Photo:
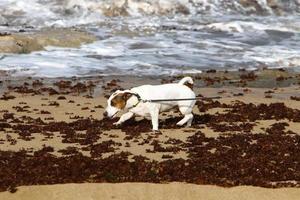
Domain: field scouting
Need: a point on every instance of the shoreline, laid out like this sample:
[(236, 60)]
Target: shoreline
[(258, 78)]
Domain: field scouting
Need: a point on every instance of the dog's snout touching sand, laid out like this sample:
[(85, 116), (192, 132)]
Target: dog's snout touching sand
[(105, 114)]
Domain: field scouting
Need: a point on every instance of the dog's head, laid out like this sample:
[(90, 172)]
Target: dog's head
[(116, 102)]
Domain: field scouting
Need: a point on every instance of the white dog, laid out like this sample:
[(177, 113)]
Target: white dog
[(132, 102)]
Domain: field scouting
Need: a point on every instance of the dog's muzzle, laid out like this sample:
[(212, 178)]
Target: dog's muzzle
[(105, 114), (110, 112)]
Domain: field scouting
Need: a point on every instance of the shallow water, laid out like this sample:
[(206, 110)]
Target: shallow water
[(157, 37)]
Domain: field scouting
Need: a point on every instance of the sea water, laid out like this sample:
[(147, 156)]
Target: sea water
[(156, 37)]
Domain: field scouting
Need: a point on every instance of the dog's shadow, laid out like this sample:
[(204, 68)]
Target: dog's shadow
[(144, 125)]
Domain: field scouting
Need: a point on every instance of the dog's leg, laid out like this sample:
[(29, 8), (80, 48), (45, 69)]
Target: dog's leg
[(189, 122), (188, 116), (124, 118), (154, 118)]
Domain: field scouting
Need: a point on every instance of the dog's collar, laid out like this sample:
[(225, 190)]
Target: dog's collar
[(137, 96), (137, 103)]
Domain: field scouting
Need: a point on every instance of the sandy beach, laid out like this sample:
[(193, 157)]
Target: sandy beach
[(239, 146), (60, 60), (142, 191)]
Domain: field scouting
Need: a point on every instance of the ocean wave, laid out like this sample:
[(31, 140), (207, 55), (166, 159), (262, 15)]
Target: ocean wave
[(74, 12), (155, 37), (244, 26)]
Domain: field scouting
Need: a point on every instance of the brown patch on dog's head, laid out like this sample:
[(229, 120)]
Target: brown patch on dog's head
[(189, 85), (120, 100)]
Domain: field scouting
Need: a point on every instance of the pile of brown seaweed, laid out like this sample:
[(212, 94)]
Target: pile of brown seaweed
[(240, 157)]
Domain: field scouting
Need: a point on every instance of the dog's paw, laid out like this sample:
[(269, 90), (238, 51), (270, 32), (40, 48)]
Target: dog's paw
[(180, 124), (117, 123), (157, 132)]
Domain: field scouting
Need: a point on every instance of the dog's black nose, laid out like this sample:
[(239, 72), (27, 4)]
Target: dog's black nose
[(105, 114)]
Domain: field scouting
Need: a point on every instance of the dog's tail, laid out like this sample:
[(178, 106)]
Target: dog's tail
[(188, 81)]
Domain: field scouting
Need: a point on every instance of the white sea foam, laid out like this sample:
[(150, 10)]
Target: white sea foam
[(244, 26), (154, 37), (74, 12)]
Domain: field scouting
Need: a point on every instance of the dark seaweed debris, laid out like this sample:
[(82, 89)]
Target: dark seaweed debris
[(271, 159), (246, 159), (242, 112), (243, 159)]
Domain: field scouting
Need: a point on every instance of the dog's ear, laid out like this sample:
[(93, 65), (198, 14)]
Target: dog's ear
[(127, 95), (189, 85)]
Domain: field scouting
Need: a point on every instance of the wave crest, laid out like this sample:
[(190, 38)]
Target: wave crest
[(72, 12)]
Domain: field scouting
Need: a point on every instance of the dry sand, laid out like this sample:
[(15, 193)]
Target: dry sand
[(148, 191)]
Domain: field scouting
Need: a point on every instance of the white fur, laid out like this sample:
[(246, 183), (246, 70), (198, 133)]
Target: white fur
[(152, 110)]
